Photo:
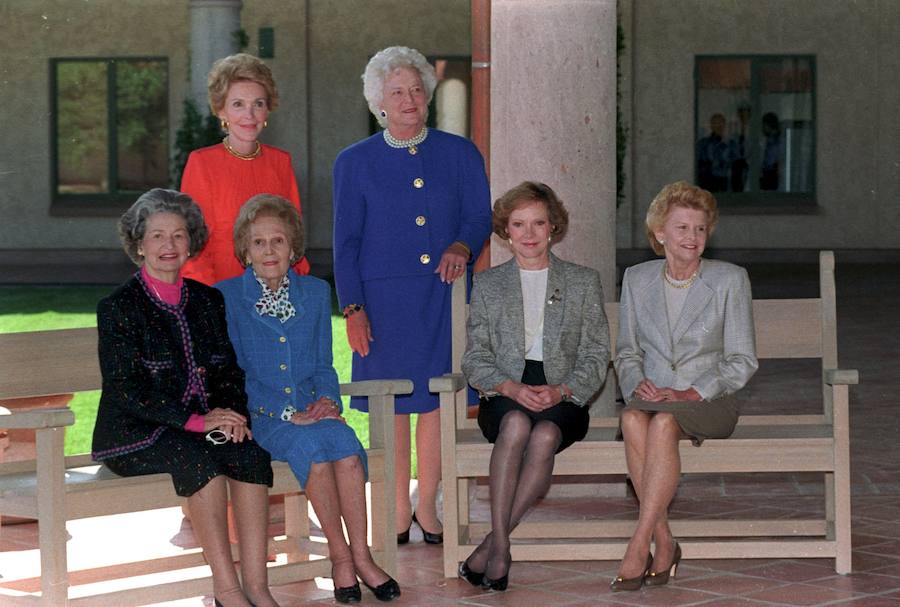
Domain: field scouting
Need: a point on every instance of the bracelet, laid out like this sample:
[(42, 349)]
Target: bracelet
[(351, 309), (465, 246)]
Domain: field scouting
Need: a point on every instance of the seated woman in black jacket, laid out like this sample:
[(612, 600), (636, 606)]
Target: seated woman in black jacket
[(173, 396)]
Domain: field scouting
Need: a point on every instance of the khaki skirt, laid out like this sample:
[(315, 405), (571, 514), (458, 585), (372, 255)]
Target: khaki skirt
[(699, 420)]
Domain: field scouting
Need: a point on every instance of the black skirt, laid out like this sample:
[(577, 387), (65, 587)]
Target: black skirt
[(193, 461), (572, 419)]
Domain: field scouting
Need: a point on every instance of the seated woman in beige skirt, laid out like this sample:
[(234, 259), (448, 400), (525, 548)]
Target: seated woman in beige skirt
[(685, 346)]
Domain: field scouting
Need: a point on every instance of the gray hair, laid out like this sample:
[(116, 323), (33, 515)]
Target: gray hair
[(386, 61), (133, 223)]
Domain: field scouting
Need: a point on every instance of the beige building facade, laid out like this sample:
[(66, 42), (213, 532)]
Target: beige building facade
[(321, 47)]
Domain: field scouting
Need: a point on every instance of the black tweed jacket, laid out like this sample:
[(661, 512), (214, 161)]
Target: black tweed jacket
[(161, 363)]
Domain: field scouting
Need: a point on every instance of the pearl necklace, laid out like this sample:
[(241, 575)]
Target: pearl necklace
[(405, 143), (678, 284), (237, 154)]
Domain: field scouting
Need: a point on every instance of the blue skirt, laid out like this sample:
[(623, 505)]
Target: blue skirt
[(410, 318), (328, 440)]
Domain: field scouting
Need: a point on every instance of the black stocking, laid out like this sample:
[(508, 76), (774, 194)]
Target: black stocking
[(506, 459), (532, 471)]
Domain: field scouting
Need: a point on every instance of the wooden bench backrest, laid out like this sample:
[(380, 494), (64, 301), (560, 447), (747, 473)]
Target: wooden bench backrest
[(48, 362), (41, 363)]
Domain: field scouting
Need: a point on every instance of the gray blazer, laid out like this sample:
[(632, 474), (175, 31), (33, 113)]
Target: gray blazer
[(712, 348), (576, 334)]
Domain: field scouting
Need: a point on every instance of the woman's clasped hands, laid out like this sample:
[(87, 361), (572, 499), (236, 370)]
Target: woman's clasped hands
[(323, 408), (535, 398), (231, 423), (648, 391)]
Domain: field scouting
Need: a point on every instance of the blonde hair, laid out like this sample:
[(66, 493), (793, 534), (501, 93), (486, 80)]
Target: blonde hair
[(679, 194), (239, 68)]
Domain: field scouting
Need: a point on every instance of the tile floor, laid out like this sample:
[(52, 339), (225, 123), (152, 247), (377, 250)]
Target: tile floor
[(869, 327)]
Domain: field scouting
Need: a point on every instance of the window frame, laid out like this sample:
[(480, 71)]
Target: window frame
[(755, 201), (103, 202)]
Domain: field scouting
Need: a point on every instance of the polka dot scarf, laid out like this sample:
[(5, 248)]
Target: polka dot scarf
[(275, 303)]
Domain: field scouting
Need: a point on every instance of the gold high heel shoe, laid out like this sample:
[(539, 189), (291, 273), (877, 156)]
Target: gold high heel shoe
[(621, 584), (661, 578)]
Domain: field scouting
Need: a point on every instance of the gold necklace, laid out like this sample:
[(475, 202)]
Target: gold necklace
[(678, 284), (237, 154)]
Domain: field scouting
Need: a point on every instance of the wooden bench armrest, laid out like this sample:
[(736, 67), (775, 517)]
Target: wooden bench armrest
[(38, 418), (377, 387), (841, 377), (451, 382)]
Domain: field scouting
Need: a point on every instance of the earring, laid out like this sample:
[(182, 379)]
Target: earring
[(265, 123), (661, 241), (509, 240), (224, 124), (383, 114)]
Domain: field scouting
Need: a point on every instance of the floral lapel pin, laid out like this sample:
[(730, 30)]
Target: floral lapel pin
[(555, 297)]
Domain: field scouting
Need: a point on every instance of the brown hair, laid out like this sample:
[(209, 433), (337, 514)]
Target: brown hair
[(679, 194), (523, 194), (237, 68), (268, 205)]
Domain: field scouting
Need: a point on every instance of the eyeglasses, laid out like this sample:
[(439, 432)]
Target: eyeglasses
[(217, 437)]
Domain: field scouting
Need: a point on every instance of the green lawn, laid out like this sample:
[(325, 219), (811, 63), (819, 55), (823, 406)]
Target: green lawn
[(45, 308)]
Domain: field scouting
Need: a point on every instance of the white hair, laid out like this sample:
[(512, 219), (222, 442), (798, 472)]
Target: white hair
[(384, 63)]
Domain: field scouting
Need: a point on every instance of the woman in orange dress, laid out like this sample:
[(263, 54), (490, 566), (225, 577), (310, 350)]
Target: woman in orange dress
[(222, 177)]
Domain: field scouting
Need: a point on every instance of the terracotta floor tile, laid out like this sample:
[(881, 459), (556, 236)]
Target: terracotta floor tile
[(869, 601), (869, 583), (791, 571), (802, 595), (730, 585), (668, 596)]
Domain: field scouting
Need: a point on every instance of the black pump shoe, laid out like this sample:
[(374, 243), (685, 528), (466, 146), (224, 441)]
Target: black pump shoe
[(403, 536), (430, 538), (348, 594), (473, 577), (498, 584), (387, 591)]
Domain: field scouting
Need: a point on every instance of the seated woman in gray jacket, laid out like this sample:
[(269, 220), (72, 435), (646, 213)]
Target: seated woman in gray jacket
[(538, 347), (686, 345)]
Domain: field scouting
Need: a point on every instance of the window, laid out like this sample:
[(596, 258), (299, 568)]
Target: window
[(110, 127), (755, 128)]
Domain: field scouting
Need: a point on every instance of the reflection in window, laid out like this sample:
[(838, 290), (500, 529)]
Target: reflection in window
[(110, 125), (755, 129)]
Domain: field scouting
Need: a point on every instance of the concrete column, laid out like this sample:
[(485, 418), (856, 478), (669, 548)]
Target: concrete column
[(213, 23), (553, 119)]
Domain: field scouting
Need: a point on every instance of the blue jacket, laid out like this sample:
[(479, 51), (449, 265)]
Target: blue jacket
[(395, 213), (286, 364)]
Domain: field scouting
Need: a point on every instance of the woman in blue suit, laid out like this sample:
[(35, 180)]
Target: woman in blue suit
[(280, 325), (686, 345), (412, 209)]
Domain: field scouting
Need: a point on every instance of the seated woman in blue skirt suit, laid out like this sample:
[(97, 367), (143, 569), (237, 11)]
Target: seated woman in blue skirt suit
[(280, 325)]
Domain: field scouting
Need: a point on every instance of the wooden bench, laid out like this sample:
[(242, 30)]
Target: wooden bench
[(814, 443), (55, 489)]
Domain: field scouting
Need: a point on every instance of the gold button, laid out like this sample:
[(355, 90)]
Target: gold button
[(283, 367), (287, 390), (282, 339), (418, 183), (425, 258), (413, 150), (420, 220)]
